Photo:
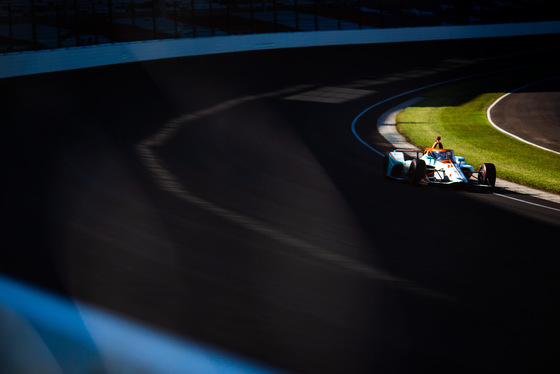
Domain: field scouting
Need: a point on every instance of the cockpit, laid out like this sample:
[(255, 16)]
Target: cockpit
[(441, 154)]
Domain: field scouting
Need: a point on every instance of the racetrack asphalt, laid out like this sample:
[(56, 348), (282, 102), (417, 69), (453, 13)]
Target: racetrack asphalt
[(225, 198), (387, 127), (532, 114)]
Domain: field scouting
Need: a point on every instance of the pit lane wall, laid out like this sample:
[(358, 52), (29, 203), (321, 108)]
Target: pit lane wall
[(16, 64)]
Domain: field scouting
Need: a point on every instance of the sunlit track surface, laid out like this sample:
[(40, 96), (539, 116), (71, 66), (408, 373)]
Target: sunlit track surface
[(536, 104), (225, 199)]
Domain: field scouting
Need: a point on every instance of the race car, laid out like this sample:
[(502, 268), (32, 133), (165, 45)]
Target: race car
[(436, 166)]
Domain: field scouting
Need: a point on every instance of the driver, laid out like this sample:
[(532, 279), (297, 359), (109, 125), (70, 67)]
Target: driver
[(441, 155), (438, 143)]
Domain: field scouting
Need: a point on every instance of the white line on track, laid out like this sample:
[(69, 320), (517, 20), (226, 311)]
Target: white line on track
[(527, 202), (518, 188), (167, 181), (489, 116), (355, 121)]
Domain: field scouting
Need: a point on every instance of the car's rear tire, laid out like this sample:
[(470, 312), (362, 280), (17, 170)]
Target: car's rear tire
[(386, 165), (416, 172), (487, 174)]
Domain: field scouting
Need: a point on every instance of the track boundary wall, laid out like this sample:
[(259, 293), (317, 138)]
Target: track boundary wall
[(16, 64)]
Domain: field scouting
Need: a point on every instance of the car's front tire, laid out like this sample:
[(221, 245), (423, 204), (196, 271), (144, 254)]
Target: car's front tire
[(416, 172), (487, 174)]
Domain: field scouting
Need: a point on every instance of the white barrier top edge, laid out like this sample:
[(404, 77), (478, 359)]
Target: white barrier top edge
[(44, 61)]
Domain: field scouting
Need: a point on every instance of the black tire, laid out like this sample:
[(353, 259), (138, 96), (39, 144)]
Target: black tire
[(386, 165), (487, 174), (416, 172)]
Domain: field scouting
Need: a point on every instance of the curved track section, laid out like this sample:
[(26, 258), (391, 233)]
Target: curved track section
[(224, 198), (531, 114)]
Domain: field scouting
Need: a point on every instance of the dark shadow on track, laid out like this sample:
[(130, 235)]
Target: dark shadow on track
[(346, 272)]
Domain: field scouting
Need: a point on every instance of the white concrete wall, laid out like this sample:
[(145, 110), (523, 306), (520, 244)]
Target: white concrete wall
[(44, 61)]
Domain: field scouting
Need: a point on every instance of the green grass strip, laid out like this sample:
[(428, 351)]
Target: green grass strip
[(457, 112)]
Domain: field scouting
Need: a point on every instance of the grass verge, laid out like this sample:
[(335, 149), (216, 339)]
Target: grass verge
[(457, 112)]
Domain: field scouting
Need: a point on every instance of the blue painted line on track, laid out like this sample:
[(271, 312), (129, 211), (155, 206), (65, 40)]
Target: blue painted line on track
[(354, 122), (354, 131)]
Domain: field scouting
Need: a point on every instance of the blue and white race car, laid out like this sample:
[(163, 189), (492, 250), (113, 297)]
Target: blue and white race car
[(436, 166)]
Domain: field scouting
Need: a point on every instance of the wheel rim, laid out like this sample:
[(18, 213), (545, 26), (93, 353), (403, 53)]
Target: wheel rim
[(482, 175)]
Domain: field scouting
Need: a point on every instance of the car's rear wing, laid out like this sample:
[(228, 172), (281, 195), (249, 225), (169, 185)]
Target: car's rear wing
[(417, 152)]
